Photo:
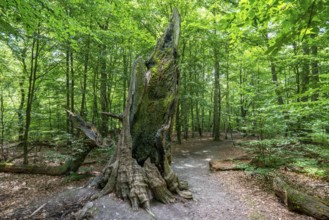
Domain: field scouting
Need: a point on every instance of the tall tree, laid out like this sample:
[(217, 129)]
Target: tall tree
[(216, 128), (35, 51)]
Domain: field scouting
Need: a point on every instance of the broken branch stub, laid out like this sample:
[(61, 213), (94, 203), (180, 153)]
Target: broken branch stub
[(87, 128)]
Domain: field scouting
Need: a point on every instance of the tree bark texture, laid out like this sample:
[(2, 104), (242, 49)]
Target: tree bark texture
[(216, 129), (300, 202), (30, 96), (103, 90), (141, 161)]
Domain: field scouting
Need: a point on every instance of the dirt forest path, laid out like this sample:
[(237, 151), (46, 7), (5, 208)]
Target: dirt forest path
[(223, 195), (230, 195), (218, 196), (211, 198)]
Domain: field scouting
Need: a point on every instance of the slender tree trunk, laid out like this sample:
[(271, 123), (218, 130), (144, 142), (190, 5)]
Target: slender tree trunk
[(203, 92), (184, 100), (192, 117), (210, 118), (191, 91), (72, 86), (103, 90), (2, 124), (274, 76), (67, 74), (315, 70), (178, 123), (243, 107), (125, 78), (197, 114), (83, 108), (296, 68), (228, 113), (22, 101), (196, 91), (21, 105), (185, 117), (305, 73), (49, 112), (276, 83), (95, 96), (30, 95), (216, 131)]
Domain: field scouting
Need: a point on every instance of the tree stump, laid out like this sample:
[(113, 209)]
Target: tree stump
[(141, 161)]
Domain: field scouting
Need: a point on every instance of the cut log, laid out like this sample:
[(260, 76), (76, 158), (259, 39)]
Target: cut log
[(219, 165), (231, 164), (298, 201), (226, 165)]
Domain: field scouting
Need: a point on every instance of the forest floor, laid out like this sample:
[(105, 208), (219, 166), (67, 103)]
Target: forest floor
[(217, 195)]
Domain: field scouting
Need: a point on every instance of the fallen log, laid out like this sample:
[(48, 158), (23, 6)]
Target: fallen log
[(34, 169), (228, 164), (298, 201), (71, 165)]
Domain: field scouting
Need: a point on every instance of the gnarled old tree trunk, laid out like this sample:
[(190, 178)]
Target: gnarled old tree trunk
[(141, 162)]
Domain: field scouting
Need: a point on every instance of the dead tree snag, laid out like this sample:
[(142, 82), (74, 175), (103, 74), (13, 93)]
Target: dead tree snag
[(141, 161)]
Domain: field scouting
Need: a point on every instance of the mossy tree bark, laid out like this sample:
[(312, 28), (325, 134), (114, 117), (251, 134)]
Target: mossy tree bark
[(299, 201), (141, 162)]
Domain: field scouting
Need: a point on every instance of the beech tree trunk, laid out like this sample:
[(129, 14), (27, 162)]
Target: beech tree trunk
[(216, 128), (141, 161)]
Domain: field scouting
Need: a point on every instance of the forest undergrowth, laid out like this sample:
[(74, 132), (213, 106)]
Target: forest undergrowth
[(303, 165)]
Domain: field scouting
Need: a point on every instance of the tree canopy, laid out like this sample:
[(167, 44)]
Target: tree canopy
[(270, 59)]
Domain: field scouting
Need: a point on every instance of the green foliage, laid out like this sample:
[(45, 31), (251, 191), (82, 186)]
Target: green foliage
[(105, 152), (267, 50), (275, 153), (263, 171)]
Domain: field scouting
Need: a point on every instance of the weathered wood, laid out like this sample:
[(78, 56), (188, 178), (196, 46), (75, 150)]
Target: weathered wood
[(71, 165), (298, 201), (32, 169), (141, 161), (112, 115), (87, 128), (227, 165), (219, 165)]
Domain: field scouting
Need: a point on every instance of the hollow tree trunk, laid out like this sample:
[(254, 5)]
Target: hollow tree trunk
[(141, 161)]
